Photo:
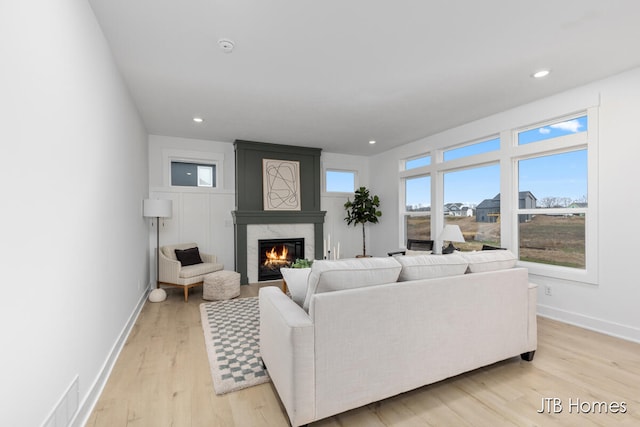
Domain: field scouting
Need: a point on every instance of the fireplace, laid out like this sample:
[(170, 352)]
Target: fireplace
[(276, 253)]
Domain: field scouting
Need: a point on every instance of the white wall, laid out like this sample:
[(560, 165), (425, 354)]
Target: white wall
[(350, 237), (200, 215), (611, 305), (73, 171)]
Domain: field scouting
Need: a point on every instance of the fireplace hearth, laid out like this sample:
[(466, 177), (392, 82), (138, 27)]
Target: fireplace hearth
[(274, 254)]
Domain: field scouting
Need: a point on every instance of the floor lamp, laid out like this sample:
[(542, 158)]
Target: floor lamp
[(154, 208)]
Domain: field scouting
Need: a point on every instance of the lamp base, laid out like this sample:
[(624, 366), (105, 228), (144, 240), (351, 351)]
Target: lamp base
[(449, 249), (157, 295)]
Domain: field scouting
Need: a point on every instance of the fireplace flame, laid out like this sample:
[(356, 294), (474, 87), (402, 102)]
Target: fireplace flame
[(273, 257)]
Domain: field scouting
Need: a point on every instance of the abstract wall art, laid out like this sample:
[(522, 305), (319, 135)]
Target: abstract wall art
[(281, 185)]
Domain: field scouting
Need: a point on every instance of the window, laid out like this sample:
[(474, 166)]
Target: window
[(472, 149), (185, 174), (417, 209), (472, 201), (340, 181), (417, 162), (554, 130), (555, 183), (531, 190)]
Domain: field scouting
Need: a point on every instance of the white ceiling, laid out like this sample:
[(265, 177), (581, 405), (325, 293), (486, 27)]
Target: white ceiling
[(336, 74)]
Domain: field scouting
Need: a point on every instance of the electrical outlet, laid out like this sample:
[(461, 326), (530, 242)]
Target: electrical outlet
[(547, 290)]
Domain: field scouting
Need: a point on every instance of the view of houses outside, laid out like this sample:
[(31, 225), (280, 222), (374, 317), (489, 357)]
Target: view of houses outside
[(549, 180), (549, 239)]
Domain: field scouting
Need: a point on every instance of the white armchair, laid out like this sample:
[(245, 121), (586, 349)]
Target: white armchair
[(172, 273)]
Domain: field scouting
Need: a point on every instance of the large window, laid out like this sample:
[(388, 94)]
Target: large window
[(417, 209), (472, 201), (530, 190), (555, 183)]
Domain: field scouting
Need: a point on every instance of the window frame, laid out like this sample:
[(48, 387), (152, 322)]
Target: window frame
[(403, 202), (194, 157), (339, 193), (508, 155), (586, 140)]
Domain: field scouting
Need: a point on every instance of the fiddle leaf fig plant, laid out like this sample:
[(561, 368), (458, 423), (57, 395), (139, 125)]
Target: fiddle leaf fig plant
[(362, 210)]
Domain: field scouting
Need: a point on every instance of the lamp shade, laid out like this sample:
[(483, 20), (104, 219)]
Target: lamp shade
[(451, 233), (157, 208)]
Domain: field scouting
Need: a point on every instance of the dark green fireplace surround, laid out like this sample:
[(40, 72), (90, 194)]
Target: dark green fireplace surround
[(249, 200)]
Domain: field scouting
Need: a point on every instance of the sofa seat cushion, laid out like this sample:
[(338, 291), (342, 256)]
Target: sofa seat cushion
[(490, 260), (328, 276), (431, 266), (199, 269)]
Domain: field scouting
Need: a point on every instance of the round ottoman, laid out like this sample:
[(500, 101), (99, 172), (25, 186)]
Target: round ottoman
[(221, 285)]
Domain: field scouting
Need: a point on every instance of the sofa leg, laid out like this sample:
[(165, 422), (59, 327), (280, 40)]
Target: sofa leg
[(186, 294), (528, 356)]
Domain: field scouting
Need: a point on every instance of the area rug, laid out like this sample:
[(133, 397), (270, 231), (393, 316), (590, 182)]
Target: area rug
[(231, 334)]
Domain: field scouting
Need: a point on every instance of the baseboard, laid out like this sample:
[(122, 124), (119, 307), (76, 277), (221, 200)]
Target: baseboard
[(594, 324), (91, 399)]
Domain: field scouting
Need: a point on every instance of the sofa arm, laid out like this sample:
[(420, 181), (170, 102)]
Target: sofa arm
[(287, 349), (169, 269)]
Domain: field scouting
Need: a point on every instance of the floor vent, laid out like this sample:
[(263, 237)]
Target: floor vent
[(66, 408)]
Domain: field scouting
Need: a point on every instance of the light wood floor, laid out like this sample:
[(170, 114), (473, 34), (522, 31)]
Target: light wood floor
[(162, 378)]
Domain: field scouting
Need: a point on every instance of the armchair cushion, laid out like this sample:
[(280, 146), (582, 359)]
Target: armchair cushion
[(198, 269), (189, 256)]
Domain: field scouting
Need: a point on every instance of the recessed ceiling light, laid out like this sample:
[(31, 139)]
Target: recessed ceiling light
[(226, 45), (372, 142), (540, 74), (198, 119)]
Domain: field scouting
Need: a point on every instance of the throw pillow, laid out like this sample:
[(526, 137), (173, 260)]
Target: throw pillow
[(490, 260), (350, 273), (296, 279), (431, 266), (189, 256)]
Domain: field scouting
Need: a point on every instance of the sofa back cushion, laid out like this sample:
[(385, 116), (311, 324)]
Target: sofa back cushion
[(490, 260), (431, 266), (328, 276)]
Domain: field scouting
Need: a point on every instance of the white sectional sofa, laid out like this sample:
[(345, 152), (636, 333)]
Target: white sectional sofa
[(361, 335)]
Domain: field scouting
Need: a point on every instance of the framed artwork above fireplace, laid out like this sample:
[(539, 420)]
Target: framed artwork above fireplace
[(281, 185)]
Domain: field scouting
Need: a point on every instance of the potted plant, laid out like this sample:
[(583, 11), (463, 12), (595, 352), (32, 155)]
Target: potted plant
[(362, 210), (302, 263)]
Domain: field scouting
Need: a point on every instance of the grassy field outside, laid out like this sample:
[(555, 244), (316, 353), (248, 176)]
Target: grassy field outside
[(548, 239)]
